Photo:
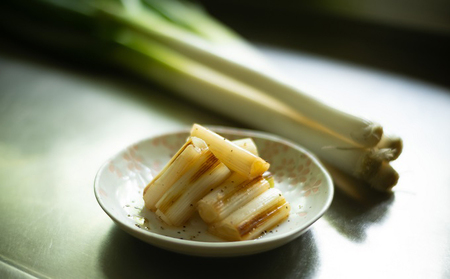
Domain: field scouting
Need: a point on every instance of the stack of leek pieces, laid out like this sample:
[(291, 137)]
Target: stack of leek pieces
[(178, 45), (226, 182)]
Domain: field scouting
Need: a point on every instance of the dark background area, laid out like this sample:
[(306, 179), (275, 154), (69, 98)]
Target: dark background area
[(410, 38), (406, 37)]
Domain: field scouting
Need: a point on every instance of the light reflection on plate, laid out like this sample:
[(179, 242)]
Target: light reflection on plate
[(120, 181)]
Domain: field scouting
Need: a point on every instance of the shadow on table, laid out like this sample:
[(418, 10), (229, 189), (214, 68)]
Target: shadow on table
[(356, 206), (97, 81), (127, 257)]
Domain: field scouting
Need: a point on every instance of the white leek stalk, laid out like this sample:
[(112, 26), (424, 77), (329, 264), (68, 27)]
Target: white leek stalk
[(230, 97), (255, 218), (185, 50), (178, 203), (234, 157), (229, 196), (364, 133), (323, 124)]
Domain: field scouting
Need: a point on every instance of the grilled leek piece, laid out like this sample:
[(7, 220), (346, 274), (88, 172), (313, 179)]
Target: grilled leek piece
[(234, 157), (179, 202), (255, 218), (247, 144), (177, 166), (231, 195)]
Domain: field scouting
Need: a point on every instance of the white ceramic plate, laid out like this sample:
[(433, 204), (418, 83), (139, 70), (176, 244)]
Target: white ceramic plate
[(299, 175)]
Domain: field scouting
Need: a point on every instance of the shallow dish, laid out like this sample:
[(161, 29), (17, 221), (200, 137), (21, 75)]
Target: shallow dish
[(299, 175)]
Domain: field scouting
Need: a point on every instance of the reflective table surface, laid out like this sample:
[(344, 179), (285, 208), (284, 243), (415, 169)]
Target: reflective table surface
[(59, 123)]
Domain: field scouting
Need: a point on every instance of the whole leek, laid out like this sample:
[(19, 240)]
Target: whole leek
[(176, 44)]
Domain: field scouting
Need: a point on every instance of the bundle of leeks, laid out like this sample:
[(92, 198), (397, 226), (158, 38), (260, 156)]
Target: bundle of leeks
[(178, 45)]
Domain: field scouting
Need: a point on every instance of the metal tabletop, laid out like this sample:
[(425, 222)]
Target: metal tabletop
[(59, 123)]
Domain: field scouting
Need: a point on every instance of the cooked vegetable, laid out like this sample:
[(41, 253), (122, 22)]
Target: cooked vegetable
[(233, 156), (247, 144), (190, 174), (196, 179), (178, 203), (255, 218), (231, 195), (187, 155), (178, 45)]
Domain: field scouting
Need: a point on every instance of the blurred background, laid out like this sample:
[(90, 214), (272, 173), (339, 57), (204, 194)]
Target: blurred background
[(411, 37)]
